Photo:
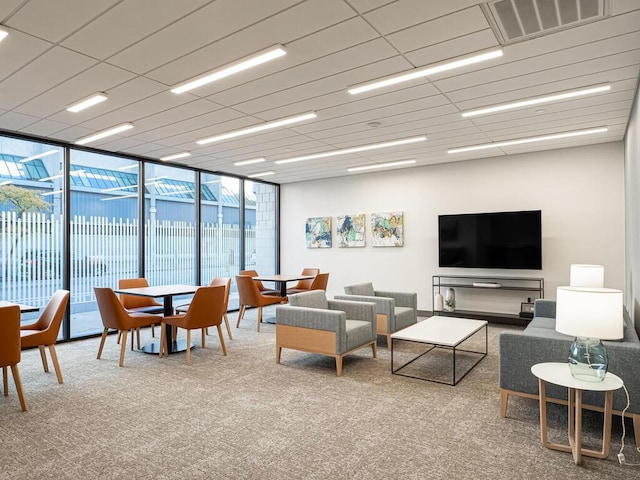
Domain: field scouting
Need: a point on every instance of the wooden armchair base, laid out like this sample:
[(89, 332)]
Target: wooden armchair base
[(313, 341), (504, 399)]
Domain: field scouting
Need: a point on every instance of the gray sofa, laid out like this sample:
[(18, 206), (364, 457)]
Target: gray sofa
[(539, 342)]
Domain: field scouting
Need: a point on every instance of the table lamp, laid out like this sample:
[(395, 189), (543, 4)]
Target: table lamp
[(590, 315), (586, 276)]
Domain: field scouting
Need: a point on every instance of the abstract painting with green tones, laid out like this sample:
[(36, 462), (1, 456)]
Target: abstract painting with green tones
[(350, 230), (318, 232), (387, 229)]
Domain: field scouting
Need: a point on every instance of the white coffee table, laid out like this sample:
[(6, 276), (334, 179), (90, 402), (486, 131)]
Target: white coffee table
[(559, 374), (441, 332)]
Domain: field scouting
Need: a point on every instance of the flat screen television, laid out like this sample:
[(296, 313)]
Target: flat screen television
[(491, 240)]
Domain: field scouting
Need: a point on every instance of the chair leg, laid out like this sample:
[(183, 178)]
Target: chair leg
[(188, 346), (203, 335), (240, 315), (54, 360), (119, 337), (226, 322), (138, 337), (104, 337), (153, 331), (123, 346), (388, 335), (133, 334), (259, 317), (43, 356), (163, 341), (339, 365), (5, 381), (18, 382), (278, 353), (504, 399), (374, 347), (224, 348), (636, 429)]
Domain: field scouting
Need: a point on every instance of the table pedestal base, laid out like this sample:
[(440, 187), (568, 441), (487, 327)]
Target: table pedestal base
[(176, 346)]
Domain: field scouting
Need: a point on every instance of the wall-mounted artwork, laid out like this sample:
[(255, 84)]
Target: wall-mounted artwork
[(350, 230), (318, 232), (387, 229)]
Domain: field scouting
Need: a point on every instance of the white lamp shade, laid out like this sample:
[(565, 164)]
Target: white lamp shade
[(589, 312), (587, 276)]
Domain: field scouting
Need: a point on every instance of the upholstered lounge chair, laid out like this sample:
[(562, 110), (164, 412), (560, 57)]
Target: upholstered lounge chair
[(395, 310), (312, 323)]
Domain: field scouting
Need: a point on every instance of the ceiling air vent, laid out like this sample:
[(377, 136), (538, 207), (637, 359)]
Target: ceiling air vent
[(518, 20)]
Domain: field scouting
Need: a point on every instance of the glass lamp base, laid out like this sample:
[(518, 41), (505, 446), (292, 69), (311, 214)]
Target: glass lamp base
[(588, 359)]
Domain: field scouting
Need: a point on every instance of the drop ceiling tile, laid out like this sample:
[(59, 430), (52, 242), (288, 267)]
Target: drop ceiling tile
[(44, 128), (284, 28), (363, 6), (8, 7), (441, 29), (405, 13), (19, 49), (16, 121), (211, 23), (128, 22), (46, 19), (48, 70), (99, 78), (456, 47)]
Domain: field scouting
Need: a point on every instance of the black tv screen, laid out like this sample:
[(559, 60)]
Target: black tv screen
[(491, 240)]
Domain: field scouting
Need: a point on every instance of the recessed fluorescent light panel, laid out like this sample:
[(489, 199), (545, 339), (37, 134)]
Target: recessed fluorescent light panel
[(261, 174), (87, 102), (105, 133), (232, 68), (537, 101), (39, 155), (3, 34), (258, 128), (249, 162), (543, 138), (380, 165), (423, 72), (176, 156), (346, 151)]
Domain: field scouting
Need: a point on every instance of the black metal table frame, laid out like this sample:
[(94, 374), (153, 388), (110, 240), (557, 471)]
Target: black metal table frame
[(445, 347)]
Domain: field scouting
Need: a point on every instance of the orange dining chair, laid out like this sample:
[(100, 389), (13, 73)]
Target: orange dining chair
[(319, 283), (44, 332), (216, 282), (304, 285), (138, 304), (10, 349), (261, 288), (250, 296), (205, 310), (115, 316)]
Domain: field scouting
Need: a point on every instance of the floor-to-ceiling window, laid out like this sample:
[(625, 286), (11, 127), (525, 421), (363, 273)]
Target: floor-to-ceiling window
[(220, 230), (103, 218), (31, 222), (260, 221), (170, 225)]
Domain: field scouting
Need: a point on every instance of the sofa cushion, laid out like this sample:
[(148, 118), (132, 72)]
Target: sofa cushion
[(542, 322), (360, 289), (358, 333)]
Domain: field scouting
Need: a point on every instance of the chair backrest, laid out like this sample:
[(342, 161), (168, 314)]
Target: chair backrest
[(320, 282), (111, 310), (248, 290), (50, 320), (206, 307), (135, 301), (306, 284), (365, 289), (312, 299), (9, 335), (226, 282), (253, 273)]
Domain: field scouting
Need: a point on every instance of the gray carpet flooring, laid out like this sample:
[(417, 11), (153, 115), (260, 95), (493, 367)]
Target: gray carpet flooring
[(244, 417)]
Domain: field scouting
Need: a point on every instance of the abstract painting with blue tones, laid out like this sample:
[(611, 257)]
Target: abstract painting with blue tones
[(318, 232), (350, 230)]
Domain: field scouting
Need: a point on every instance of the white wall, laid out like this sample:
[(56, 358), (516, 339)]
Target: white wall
[(579, 190)]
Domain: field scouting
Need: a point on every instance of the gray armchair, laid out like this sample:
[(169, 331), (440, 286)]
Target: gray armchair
[(395, 310), (311, 323)]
